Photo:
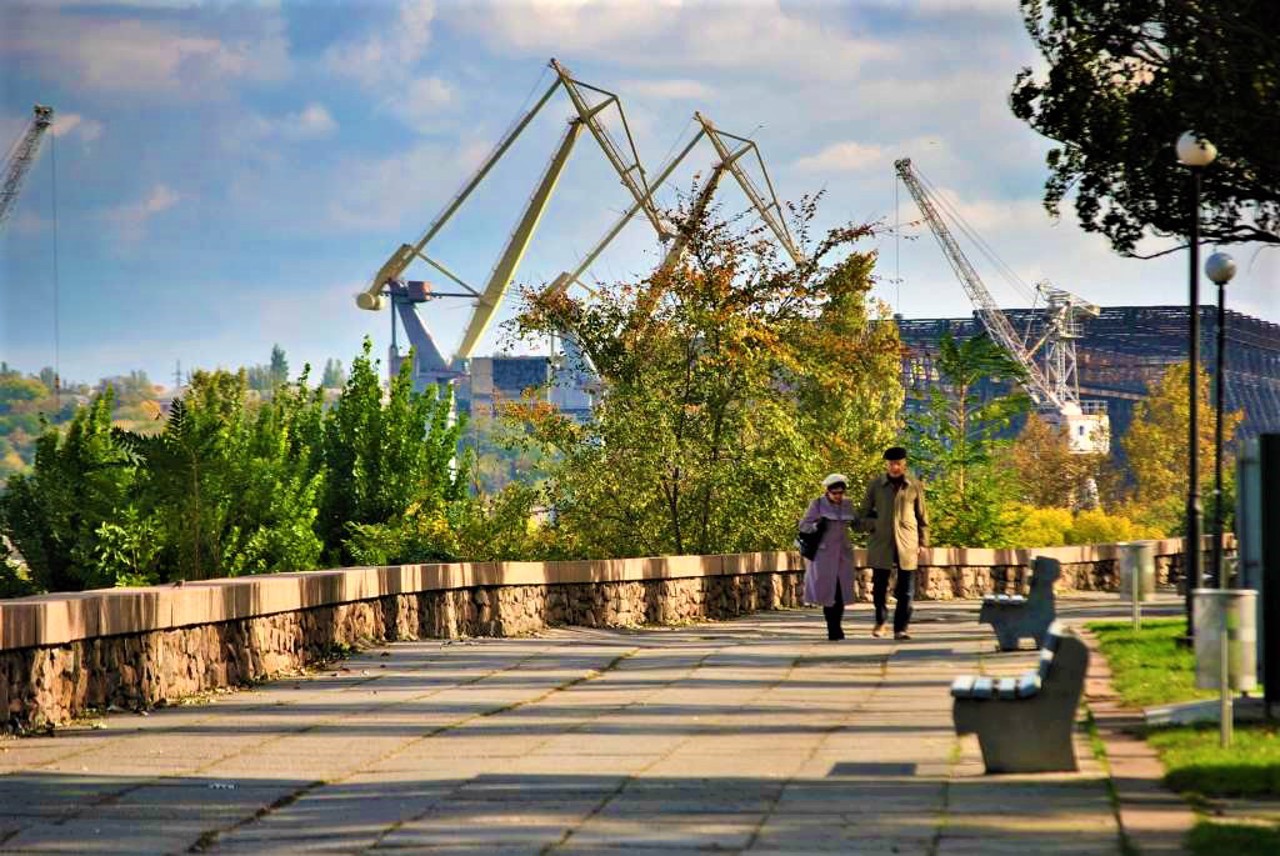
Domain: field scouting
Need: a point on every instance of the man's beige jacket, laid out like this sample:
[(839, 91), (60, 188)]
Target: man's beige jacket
[(901, 521)]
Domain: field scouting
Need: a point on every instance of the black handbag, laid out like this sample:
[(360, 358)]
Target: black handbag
[(807, 542)]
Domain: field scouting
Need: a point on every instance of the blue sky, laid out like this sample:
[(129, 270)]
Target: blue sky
[(230, 174)]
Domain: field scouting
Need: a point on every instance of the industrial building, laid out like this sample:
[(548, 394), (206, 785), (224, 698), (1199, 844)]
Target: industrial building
[(492, 380), (1124, 350)]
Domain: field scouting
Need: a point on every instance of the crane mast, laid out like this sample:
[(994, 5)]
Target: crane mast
[(1054, 388), (994, 320), (23, 156), (589, 103)]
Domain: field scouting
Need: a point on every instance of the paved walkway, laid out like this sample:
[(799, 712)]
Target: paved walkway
[(754, 735)]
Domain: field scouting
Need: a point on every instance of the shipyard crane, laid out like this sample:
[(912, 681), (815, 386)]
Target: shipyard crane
[(21, 157), (1055, 387), (730, 151), (588, 104)]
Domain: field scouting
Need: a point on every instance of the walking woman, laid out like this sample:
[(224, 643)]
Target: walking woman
[(828, 577)]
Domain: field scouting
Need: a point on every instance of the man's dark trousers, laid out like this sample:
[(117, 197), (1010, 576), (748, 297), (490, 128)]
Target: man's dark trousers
[(903, 592)]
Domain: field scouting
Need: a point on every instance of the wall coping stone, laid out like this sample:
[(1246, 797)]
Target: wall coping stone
[(57, 619)]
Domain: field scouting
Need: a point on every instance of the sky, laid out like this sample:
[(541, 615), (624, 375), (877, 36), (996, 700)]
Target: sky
[(226, 176)]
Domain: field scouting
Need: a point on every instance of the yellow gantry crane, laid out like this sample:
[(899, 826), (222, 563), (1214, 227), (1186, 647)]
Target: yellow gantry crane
[(731, 150), (589, 103)]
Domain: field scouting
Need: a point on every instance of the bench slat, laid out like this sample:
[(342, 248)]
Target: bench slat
[(1007, 688), (983, 688), (1028, 685), (962, 687)]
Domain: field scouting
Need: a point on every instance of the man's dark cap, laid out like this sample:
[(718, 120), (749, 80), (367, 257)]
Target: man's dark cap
[(895, 453)]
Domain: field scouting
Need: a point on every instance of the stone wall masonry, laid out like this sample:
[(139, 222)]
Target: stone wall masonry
[(64, 655)]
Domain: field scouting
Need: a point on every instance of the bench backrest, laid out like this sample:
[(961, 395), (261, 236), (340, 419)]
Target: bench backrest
[(1064, 659), (1044, 573)]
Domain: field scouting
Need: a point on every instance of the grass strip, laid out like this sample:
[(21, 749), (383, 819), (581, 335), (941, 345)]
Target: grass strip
[(1148, 667), (1194, 761), (1208, 838)]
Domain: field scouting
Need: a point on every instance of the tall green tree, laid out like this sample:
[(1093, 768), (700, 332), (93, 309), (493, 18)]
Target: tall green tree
[(958, 446), (279, 366), (699, 442), (232, 488), (80, 481), (333, 376), (1124, 79), (388, 461), (1156, 446)]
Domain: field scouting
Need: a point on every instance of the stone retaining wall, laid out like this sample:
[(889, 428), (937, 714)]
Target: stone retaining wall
[(63, 655)]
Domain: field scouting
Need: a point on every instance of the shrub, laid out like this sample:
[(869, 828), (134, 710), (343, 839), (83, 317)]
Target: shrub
[(1098, 527), (1042, 527)]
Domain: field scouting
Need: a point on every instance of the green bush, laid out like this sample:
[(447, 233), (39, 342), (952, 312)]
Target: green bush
[(1098, 527), (1042, 527)]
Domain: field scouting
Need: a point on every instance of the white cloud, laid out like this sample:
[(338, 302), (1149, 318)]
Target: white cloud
[(379, 194), (144, 56), (311, 122), (314, 121), (87, 130), (667, 89), (981, 7), (849, 156), (384, 63), (387, 55), (131, 219), (422, 102), (758, 38)]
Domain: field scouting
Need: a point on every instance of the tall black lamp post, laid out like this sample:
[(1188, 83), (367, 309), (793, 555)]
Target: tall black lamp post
[(1195, 153), (1220, 268)]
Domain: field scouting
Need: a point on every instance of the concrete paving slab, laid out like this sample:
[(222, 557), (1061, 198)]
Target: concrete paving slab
[(754, 736), (95, 835)]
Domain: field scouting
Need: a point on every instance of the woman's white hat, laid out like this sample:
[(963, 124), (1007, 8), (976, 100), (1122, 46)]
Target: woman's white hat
[(834, 478)]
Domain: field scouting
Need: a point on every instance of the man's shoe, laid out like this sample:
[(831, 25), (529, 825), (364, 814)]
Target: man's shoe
[(902, 635), (878, 631)]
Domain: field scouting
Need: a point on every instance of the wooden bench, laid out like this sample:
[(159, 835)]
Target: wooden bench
[(1014, 617), (1025, 724)]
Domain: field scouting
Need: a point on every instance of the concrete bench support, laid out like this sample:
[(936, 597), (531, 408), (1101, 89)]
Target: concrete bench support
[(1025, 724)]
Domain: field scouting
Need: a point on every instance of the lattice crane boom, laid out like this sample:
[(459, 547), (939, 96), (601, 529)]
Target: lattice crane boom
[(23, 156), (1042, 392), (768, 208), (729, 156)]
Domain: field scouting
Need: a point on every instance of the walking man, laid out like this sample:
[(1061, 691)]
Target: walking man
[(893, 511)]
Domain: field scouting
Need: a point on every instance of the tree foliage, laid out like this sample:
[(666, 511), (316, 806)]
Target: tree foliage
[(391, 464), (1125, 79), (712, 427), (1050, 474), (1157, 445), (958, 447), (333, 376), (233, 484), (81, 481)]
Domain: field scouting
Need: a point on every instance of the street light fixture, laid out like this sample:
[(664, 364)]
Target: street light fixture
[(1220, 268), (1195, 153)]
